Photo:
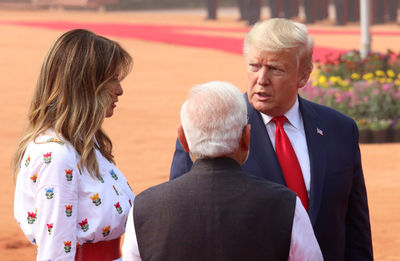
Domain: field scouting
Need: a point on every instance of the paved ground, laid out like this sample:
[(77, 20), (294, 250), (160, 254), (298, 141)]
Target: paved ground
[(144, 126)]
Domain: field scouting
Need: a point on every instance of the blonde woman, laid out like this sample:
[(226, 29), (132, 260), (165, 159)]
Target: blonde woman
[(70, 198)]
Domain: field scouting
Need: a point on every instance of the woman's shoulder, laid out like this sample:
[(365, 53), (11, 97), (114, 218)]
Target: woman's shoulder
[(48, 144)]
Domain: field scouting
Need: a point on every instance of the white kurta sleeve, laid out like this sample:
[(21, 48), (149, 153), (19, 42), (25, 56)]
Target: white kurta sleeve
[(304, 245), (56, 200), (130, 248)]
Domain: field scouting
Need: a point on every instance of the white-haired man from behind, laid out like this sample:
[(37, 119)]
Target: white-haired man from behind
[(216, 211)]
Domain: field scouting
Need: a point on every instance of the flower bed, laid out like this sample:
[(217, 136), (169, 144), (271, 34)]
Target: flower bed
[(365, 89)]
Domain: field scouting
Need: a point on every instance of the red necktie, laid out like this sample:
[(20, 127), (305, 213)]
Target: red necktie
[(289, 164)]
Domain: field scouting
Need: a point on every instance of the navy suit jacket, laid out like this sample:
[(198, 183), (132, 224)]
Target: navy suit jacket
[(338, 206)]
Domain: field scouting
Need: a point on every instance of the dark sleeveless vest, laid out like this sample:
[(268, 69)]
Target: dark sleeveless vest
[(215, 212)]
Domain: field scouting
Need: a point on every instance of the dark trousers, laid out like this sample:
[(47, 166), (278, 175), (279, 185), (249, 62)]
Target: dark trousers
[(341, 12), (242, 9), (322, 9), (310, 9), (253, 11), (392, 10), (285, 8), (211, 9)]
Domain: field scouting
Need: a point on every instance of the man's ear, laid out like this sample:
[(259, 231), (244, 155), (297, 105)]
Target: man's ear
[(305, 75), (182, 138), (245, 142)]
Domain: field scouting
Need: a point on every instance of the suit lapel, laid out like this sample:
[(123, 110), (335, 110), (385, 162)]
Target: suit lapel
[(261, 149), (316, 137)]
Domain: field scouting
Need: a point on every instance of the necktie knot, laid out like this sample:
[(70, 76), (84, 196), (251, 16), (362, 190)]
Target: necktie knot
[(279, 121)]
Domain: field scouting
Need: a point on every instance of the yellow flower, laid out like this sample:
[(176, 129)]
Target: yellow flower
[(382, 80), (397, 82), (398, 76), (322, 79), (390, 73), (389, 80), (368, 76), (333, 79), (380, 73), (355, 76)]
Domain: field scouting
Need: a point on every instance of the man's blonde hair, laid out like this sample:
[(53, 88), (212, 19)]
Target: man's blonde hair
[(279, 34)]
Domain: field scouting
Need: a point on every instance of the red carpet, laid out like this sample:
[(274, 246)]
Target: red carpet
[(181, 35)]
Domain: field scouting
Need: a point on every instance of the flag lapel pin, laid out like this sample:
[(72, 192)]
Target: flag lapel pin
[(320, 132)]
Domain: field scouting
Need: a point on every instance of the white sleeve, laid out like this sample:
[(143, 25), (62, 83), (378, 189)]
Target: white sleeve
[(303, 245), (57, 188), (130, 248)]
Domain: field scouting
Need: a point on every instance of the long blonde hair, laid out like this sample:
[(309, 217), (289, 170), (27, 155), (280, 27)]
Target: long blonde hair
[(71, 94)]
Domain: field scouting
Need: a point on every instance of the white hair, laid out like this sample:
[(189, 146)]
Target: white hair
[(213, 119), (279, 34)]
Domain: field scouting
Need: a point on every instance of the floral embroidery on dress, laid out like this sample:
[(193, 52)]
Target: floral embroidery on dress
[(68, 174), (49, 193), (100, 178), (50, 228), (113, 175), (96, 200), (27, 161), (31, 217), (78, 219), (106, 231), (84, 225), (116, 191), (55, 140), (67, 246), (34, 177), (47, 157), (68, 210), (129, 186), (118, 207)]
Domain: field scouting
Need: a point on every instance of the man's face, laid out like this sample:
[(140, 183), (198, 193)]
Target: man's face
[(273, 80)]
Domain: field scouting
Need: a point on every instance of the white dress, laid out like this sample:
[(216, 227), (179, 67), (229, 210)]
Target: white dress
[(58, 205)]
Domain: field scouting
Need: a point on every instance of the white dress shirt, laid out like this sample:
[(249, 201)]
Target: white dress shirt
[(303, 244), (294, 129)]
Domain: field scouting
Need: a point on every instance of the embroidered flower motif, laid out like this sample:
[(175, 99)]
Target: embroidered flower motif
[(50, 228), (49, 193), (106, 231), (129, 186), (96, 200), (55, 140), (34, 177), (113, 175), (68, 210), (118, 207), (31, 217), (100, 178), (116, 191), (80, 172), (27, 161), (67, 246), (84, 225), (47, 157), (68, 174)]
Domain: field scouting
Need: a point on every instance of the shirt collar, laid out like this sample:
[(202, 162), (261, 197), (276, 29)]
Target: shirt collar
[(293, 115)]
